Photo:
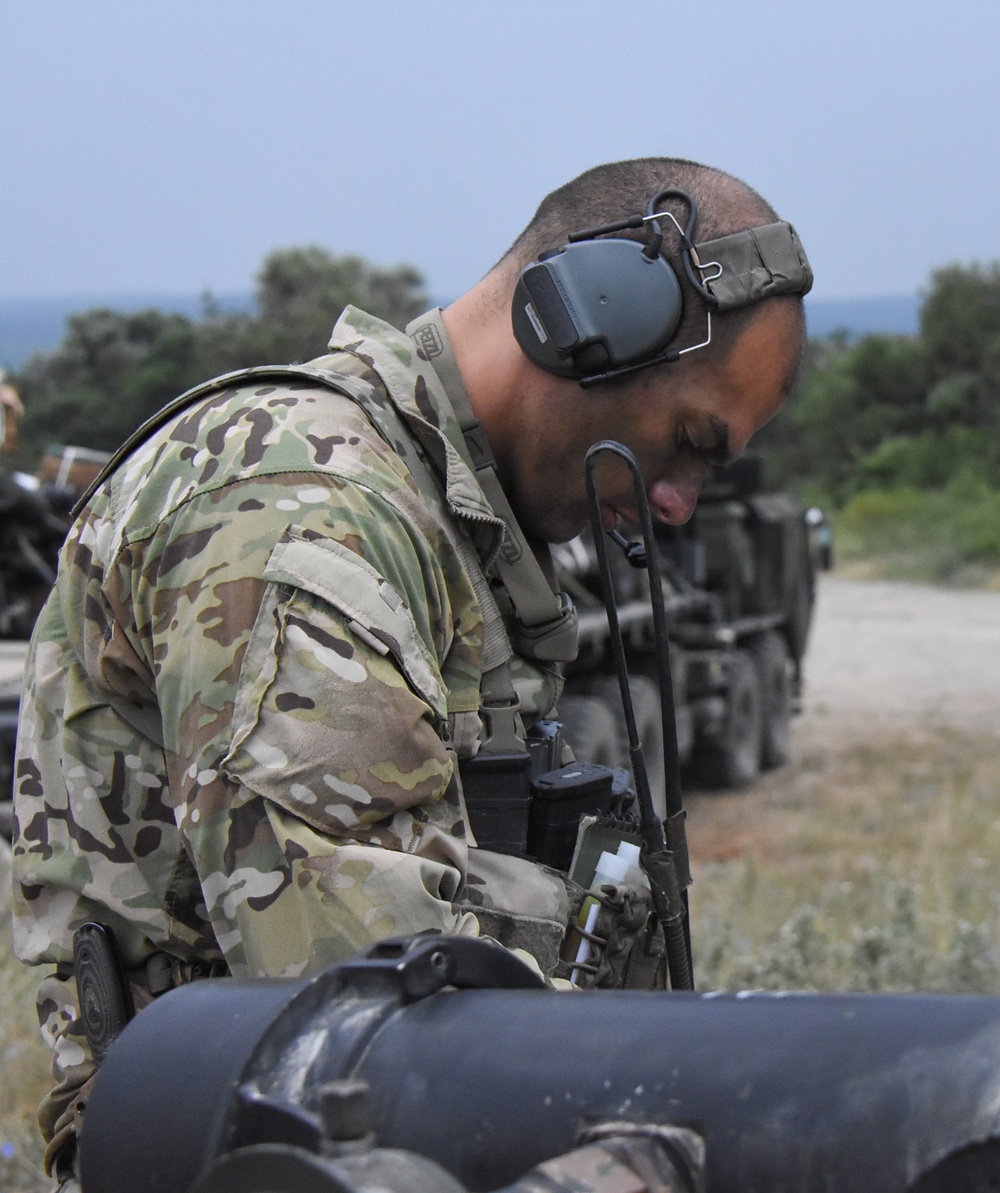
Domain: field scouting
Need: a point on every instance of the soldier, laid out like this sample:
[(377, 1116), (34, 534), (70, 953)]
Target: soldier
[(11, 413), (301, 596)]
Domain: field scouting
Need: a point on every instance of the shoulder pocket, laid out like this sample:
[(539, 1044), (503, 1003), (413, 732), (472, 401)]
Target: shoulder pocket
[(374, 611)]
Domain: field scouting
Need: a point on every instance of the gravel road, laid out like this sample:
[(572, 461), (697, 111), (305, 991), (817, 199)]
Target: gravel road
[(885, 655)]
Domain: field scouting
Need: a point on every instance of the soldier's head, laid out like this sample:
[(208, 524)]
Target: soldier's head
[(681, 375)]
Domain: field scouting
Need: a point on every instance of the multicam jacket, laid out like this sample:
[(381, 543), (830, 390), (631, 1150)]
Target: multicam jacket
[(234, 744)]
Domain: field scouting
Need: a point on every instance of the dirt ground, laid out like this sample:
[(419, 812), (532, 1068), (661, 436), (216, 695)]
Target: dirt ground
[(884, 656), (891, 669)]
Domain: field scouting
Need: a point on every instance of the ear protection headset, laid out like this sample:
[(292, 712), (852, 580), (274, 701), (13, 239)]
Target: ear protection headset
[(597, 308)]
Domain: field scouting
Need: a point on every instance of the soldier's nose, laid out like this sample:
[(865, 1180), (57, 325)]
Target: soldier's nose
[(673, 501)]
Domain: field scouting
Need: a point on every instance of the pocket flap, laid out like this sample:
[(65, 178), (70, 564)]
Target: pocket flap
[(375, 612)]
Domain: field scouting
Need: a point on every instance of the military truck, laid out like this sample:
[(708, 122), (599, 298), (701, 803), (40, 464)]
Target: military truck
[(740, 586), (34, 517)]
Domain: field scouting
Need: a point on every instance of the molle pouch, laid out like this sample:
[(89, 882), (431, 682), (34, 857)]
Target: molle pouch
[(626, 941), (497, 789), (560, 798), (545, 745)]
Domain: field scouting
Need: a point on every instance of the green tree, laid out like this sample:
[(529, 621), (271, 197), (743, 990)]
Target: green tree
[(114, 370), (110, 372), (960, 331), (300, 295), (850, 400), (960, 318), (891, 412)]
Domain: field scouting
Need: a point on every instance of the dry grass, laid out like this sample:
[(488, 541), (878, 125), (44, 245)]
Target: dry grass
[(868, 866), (25, 1061)]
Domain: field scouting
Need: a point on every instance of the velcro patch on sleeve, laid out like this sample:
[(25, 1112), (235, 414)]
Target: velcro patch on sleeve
[(373, 610)]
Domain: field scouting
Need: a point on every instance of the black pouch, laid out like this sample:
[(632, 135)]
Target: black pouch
[(561, 798), (497, 790)]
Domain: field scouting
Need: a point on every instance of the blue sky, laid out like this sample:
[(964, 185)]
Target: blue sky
[(163, 146)]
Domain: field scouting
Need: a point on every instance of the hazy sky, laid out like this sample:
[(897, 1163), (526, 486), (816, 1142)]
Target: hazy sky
[(167, 146)]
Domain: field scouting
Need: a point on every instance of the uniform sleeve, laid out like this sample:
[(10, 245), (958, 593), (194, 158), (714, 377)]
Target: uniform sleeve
[(298, 672)]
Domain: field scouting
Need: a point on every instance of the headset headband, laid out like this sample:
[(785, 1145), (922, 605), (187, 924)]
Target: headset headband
[(755, 264), (602, 307)]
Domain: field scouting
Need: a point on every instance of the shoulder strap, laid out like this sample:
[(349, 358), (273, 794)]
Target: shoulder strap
[(546, 627)]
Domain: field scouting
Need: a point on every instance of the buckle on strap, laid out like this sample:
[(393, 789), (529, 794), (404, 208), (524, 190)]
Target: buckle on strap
[(503, 731), (554, 641)]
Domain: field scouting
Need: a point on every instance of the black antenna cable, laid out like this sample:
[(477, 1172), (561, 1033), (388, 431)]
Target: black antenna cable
[(664, 858)]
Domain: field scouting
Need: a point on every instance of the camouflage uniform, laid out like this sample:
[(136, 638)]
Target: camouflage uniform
[(237, 736)]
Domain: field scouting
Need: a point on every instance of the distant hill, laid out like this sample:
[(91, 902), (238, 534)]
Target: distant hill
[(895, 315), (29, 325)]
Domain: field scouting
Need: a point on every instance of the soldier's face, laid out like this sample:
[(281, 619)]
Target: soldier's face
[(676, 424)]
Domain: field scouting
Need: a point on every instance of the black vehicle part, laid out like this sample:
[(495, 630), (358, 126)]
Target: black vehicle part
[(285, 1168), (769, 652), (591, 729), (729, 755), (663, 1160), (800, 610), (31, 535), (649, 725), (790, 1093)]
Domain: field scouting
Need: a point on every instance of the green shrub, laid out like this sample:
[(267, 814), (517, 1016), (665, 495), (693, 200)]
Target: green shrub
[(944, 535)]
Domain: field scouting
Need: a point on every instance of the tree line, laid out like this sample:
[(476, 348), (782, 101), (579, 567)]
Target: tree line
[(881, 413), (114, 370), (886, 412)]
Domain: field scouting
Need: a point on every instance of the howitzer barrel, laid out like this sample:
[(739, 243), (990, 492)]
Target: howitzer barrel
[(793, 1093)]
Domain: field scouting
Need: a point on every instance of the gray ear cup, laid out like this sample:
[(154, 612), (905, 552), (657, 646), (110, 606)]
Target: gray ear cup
[(595, 306)]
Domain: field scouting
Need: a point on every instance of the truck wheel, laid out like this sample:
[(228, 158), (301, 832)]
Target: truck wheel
[(798, 612), (731, 757), (590, 728), (649, 725), (770, 655)]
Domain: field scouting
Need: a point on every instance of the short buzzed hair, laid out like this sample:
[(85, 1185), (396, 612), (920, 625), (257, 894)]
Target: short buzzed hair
[(619, 189)]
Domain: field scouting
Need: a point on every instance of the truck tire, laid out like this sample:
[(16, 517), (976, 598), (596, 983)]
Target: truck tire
[(798, 614), (649, 725), (770, 656), (731, 756), (591, 729)]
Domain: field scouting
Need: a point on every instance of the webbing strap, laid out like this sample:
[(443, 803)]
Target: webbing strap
[(496, 644), (548, 618)]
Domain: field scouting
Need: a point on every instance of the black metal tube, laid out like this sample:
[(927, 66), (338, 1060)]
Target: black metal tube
[(791, 1093)]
